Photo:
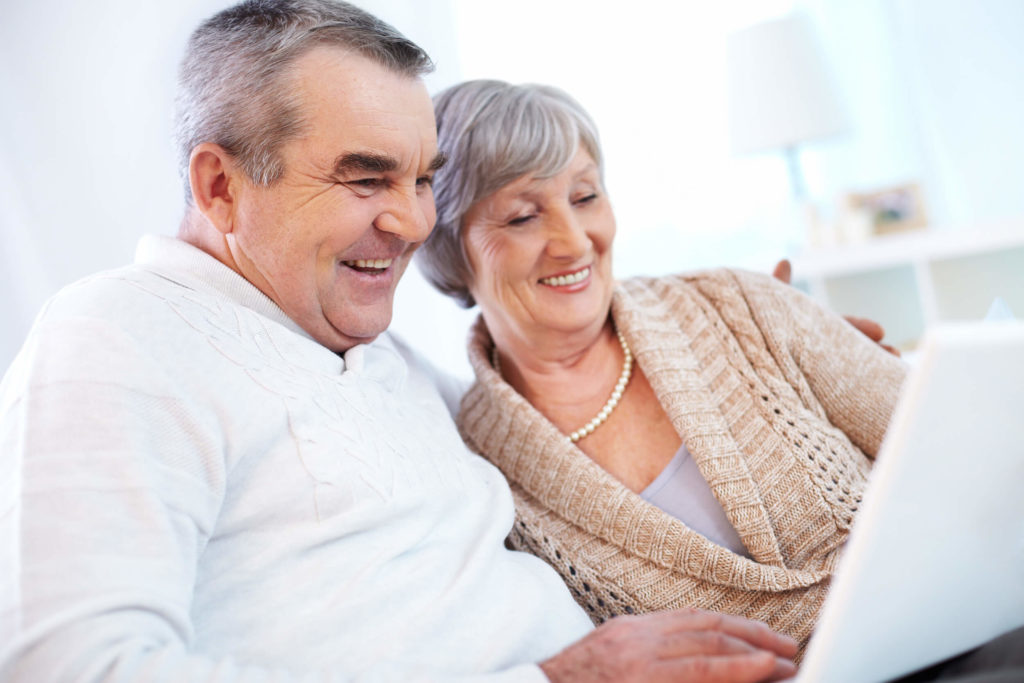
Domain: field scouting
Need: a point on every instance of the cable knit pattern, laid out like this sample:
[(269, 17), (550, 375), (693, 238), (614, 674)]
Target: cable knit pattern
[(197, 488), (781, 403)]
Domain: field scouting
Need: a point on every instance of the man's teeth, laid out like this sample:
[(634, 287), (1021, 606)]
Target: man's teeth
[(376, 263), (571, 279)]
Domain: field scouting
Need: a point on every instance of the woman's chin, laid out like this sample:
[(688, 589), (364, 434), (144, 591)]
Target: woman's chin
[(571, 325)]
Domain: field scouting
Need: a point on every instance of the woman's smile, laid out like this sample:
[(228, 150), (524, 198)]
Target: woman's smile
[(572, 281)]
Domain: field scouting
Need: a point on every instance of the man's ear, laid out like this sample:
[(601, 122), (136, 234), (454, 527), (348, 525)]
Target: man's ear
[(216, 181)]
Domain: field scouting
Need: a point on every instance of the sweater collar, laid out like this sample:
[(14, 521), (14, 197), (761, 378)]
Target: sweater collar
[(530, 451), (193, 268)]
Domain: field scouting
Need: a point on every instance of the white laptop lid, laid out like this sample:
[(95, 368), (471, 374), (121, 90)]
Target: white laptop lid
[(934, 565)]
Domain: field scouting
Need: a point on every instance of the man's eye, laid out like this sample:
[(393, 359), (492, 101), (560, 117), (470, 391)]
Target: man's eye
[(425, 181), (365, 188), (586, 198)]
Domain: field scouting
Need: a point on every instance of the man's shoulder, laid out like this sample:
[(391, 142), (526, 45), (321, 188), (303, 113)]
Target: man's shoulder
[(101, 329), (138, 311), (108, 294), (131, 297)]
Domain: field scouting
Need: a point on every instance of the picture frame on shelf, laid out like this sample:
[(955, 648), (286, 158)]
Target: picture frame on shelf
[(885, 211)]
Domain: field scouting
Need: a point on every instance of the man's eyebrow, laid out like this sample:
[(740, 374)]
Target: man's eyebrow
[(362, 162)]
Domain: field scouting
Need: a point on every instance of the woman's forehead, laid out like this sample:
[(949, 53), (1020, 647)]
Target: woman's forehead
[(581, 166)]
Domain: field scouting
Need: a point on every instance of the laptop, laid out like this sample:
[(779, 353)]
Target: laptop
[(934, 565)]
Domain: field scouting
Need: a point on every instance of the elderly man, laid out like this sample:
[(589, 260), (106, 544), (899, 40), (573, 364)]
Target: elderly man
[(215, 463)]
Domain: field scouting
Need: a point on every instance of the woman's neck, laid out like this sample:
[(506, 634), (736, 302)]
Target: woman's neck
[(567, 377)]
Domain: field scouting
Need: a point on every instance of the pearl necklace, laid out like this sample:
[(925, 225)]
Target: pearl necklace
[(613, 400)]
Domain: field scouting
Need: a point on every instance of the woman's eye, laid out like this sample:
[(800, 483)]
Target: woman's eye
[(519, 220), (425, 181), (586, 198)]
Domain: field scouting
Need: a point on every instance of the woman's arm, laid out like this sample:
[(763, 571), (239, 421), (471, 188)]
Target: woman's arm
[(783, 272), (854, 380)]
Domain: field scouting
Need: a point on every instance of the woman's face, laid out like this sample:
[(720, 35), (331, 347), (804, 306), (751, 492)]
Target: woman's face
[(540, 251)]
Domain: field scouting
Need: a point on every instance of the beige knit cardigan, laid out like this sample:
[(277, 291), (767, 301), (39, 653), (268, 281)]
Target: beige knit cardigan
[(781, 404)]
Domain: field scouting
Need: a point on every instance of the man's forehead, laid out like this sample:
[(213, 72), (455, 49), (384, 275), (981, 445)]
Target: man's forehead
[(342, 73), (361, 116)]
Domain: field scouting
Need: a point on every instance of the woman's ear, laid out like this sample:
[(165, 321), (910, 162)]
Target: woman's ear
[(215, 180)]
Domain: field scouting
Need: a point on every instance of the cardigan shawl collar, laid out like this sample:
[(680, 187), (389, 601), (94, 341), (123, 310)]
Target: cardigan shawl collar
[(534, 455)]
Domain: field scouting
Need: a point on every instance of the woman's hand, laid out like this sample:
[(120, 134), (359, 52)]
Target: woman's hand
[(680, 645), (869, 328)]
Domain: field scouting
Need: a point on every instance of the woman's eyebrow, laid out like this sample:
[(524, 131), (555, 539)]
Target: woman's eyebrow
[(439, 160)]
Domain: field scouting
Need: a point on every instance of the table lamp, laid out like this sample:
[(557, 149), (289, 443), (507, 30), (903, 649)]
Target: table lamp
[(780, 95)]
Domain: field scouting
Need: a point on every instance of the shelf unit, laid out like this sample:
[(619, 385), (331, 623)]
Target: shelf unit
[(909, 281)]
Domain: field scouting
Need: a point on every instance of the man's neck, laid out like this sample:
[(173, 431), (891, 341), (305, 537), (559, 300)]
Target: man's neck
[(196, 229)]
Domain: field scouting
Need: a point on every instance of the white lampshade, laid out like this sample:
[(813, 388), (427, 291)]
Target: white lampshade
[(780, 94)]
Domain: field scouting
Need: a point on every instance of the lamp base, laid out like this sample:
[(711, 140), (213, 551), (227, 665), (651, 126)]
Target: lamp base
[(812, 231)]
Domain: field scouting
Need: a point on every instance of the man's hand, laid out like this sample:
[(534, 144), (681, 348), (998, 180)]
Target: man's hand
[(783, 271), (869, 328), (686, 645)]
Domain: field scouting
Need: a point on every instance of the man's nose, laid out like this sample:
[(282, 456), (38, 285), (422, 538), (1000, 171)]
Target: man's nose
[(409, 214)]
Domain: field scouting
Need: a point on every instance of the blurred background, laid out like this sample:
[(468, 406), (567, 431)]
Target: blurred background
[(877, 144)]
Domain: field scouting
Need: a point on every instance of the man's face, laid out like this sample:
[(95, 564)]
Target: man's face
[(330, 239)]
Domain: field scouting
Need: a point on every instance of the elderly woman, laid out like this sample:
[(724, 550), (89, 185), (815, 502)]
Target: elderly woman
[(692, 440)]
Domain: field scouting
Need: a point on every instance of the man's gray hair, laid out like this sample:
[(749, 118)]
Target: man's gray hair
[(233, 88), (492, 133)]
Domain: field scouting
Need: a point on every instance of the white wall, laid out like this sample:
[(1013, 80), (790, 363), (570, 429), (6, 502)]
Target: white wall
[(965, 67), (933, 87), (86, 159), (936, 92)]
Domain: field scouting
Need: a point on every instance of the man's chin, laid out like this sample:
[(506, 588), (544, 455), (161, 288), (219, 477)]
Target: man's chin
[(343, 335)]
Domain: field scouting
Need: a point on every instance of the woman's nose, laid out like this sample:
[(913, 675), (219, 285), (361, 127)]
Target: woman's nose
[(567, 235), (408, 215)]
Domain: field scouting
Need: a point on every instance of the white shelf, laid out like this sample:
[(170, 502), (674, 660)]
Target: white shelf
[(907, 282)]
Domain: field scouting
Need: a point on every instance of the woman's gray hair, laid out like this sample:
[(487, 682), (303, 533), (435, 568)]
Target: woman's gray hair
[(492, 133), (232, 87)]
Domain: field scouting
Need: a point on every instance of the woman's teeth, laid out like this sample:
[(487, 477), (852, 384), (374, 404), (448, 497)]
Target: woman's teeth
[(369, 264), (571, 279)]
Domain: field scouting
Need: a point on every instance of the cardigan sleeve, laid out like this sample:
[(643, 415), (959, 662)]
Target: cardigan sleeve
[(853, 379)]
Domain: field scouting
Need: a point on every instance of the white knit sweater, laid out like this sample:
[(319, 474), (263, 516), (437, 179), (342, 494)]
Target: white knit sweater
[(193, 489)]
